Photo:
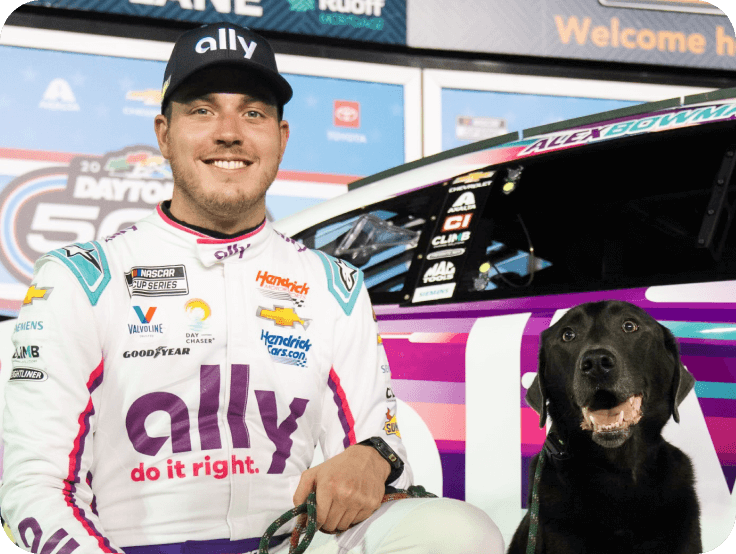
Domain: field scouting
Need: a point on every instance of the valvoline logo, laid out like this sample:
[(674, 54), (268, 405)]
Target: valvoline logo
[(346, 114), (141, 323), (147, 317)]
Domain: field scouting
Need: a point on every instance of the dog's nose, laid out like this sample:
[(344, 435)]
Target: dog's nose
[(598, 362)]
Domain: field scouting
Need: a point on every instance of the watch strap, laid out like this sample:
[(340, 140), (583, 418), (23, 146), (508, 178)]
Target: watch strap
[(388, 454)]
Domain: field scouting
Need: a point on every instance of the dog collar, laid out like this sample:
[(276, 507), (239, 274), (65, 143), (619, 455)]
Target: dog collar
[(555, 448)]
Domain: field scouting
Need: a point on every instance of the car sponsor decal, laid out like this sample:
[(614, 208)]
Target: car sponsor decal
[(473, 177), (446, 253), (464, 203), (440, 271), (168, 280), (456, 222), (450, 239), (433, 292)]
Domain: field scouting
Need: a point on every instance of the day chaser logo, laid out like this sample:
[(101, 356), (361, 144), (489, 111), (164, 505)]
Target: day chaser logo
[(441, 271), (91, 198), (169, 280), (289, 350), (198, 312), (283, 317), (280, 288)]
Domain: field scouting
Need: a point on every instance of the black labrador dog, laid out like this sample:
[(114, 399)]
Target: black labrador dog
[(610, 377)]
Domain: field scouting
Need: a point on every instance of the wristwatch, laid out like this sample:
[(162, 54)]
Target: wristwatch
[(397, 465)]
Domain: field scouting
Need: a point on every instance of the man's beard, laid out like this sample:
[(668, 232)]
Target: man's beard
[(221, 205)]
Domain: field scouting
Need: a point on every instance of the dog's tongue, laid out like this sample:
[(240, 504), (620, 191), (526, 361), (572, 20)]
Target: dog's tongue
[(594, 420)]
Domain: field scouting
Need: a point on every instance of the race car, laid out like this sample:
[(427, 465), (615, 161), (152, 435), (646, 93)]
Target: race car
[(470, 254)]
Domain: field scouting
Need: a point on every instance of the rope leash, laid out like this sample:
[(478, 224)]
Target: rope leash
[(531, 544), (306, 522)]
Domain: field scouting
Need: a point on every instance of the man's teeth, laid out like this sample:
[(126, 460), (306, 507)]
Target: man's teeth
[(222, 164)]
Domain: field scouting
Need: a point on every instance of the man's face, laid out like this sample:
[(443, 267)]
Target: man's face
[(224, 142)]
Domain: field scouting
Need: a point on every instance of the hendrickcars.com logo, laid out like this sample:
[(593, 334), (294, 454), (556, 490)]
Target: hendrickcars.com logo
[(92, 198)]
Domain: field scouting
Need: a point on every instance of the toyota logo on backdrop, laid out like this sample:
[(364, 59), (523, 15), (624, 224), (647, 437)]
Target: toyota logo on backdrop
[(346, 114)]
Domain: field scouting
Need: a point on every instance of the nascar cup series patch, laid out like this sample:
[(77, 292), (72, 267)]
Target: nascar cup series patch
[(168, 280)]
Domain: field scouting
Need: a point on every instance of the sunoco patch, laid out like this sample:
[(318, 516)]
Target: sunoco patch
[(167, 280)]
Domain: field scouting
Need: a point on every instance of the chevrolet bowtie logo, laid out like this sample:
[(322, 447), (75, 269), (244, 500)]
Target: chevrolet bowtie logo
[(34, 293), (473, 177), (284, 317)]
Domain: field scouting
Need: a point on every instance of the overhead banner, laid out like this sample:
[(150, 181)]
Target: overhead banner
[(683, 33), (366, 20)]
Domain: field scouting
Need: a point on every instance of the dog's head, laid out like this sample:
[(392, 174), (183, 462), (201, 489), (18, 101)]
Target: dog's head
[(609, 368)]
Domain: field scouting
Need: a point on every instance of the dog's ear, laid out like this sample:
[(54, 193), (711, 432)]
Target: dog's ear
[(535, 395), (682, 380)]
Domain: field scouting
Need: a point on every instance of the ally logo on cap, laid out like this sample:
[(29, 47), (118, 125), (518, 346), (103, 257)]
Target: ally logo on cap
[(227, 39)]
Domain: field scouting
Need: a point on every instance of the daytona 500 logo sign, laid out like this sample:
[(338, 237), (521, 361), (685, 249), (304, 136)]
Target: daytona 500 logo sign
[(92, 198)]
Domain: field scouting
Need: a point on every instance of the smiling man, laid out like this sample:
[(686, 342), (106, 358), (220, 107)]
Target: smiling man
[(186, 368)]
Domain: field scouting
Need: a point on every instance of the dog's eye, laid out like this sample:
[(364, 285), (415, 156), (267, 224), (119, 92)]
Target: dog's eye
[(629, 326), (568, 334)]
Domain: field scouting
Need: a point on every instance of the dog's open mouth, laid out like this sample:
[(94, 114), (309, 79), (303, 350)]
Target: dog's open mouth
[(610, 420)]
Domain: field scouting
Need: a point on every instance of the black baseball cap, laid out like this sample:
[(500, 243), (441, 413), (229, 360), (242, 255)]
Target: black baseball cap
[(224, 44)]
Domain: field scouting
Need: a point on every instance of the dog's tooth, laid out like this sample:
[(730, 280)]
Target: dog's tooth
[(591, 419), (620, 417)]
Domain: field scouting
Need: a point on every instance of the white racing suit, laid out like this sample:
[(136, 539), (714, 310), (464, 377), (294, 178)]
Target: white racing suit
[(170, 387)]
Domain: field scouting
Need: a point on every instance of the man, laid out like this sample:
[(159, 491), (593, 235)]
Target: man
[(183, 370)]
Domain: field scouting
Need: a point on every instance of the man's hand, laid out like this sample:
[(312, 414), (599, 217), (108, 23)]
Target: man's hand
[(349, 486)]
